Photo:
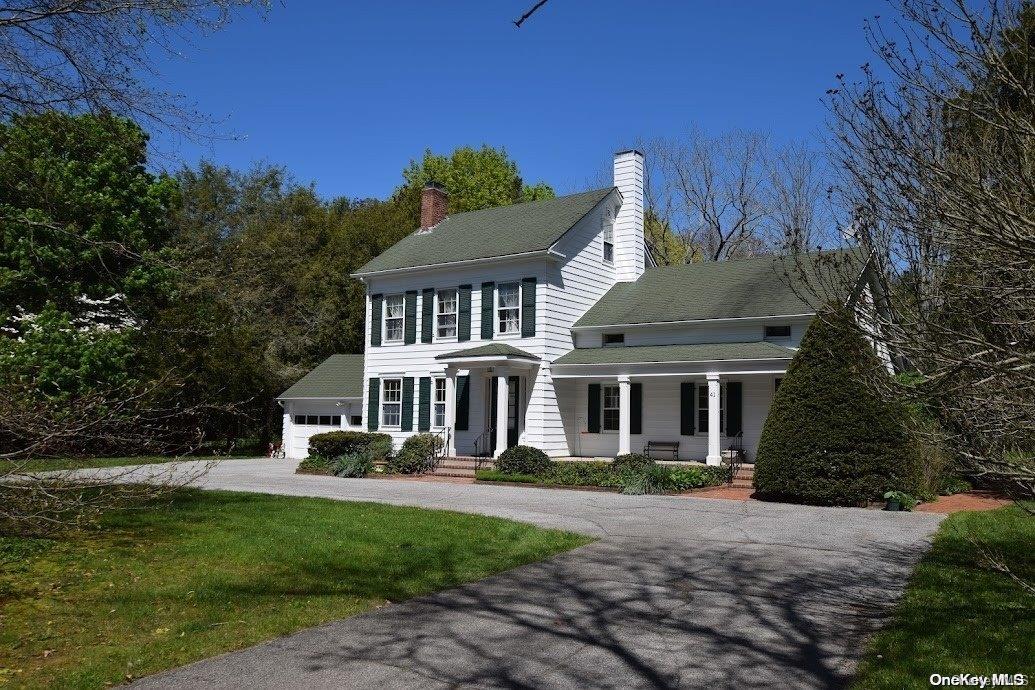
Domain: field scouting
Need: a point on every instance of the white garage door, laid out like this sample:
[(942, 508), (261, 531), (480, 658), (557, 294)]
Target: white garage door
[(305, 420)]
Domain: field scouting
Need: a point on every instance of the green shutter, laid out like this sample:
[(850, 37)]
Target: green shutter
[(375, 319), (410, 327), (636, 409), (593, 409), (424, 405), (463, 328), (427, 315), (407, 404), (488, 295), (373, 403), (686, 408), (527, 307), (463, 402), (734, 408)]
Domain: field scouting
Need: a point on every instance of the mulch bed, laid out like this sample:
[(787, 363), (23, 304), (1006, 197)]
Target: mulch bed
[(971, 500)]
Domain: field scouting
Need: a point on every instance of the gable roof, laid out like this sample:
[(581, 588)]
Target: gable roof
[(489, 233), (338, 376), (700, 352), (736, 289), (490, 350)]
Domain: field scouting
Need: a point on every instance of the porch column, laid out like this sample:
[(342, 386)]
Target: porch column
[(450, 412), (714, 420), (502, 398), (624, 415)]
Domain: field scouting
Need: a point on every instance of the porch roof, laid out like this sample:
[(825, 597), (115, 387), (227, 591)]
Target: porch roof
[(700, 352), (493, 350)]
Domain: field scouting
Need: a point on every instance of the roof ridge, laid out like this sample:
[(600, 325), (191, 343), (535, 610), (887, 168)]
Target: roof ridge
[(529, 203)]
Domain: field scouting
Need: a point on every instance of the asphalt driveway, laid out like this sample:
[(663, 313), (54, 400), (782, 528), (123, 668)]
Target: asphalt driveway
[(677, 592)]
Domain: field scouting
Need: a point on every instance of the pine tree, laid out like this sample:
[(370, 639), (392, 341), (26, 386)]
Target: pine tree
[(829, 438)]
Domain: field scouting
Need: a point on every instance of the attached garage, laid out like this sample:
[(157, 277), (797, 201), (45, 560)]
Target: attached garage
[(328, 398)]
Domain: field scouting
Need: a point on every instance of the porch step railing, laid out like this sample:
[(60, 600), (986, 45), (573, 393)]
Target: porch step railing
[(734, 455), (441, 449), (483, 444)]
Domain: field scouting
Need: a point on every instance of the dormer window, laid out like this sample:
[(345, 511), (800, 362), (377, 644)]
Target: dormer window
[(614, 339), (609, 238), (777, 332)]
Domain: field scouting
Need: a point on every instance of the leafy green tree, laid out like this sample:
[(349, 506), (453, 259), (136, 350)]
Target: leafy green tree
[(79, 212), (829, 439), (475, 178)]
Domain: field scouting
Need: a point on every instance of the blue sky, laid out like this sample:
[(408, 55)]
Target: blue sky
[(345, 93)]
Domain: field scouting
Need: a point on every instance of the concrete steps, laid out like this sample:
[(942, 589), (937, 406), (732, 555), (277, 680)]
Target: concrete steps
[(745, 476), (461, 466)]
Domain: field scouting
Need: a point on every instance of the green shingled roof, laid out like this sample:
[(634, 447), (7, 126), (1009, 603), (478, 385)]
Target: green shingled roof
[(338, 376), (491, 232), (742, 288), (491, 350), (704, 352)]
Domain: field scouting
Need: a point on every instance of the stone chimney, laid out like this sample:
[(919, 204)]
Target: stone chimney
[(433, 200), (630, 252)]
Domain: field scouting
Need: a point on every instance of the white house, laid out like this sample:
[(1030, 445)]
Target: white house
[(547, 324)]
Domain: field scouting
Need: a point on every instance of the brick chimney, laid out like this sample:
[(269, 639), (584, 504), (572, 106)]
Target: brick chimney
[(433, 199)]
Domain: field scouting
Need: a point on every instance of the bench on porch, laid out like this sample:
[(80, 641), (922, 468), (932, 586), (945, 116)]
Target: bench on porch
[(654, 447)]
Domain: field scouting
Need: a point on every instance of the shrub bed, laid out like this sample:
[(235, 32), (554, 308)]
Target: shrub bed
[(523, 460), (316, 464), (633, 477), (416, 455), (335, 444)]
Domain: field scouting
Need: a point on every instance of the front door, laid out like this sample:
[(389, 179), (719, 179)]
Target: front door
[(513, 412)]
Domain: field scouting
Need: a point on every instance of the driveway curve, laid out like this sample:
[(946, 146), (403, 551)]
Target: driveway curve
[(676, 592)]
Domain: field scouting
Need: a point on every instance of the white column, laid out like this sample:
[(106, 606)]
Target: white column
[(451, 412), (501, 410), (624, 414), (714, 393)]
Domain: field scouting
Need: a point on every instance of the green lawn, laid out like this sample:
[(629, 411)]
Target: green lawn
[(958, 615), (53, 464), (215, 571)]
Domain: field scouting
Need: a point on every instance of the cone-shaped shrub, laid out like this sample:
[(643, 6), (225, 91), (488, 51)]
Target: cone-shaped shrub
[(830, 439)]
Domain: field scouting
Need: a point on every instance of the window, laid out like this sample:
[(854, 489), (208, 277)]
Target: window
[(611, 398), (777, 332), (776, 387), (356, 420), (702, 408), (391, 402), (609, 239), (394, 318), (614, 339), (440, 402), (508, 306), (318, 420), (446, 319)]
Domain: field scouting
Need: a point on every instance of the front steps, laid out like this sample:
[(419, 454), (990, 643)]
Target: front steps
[(460, 466), (744, 477)]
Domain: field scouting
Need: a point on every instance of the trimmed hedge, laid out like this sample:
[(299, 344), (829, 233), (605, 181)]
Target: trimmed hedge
[(335, 444), (635, 462), (664, 478), (829, 438), (522, 460), (416, 455)]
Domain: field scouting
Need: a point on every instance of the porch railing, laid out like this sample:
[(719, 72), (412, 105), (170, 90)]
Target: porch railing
[(734, 456), (441, 449), (483, 444)]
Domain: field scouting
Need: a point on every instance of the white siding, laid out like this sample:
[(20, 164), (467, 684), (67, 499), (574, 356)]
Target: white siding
[(418, 359), (661, 415)]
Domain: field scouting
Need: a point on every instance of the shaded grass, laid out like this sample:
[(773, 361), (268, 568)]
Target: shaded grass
[(958, 615), (210, 572), (56, 464)]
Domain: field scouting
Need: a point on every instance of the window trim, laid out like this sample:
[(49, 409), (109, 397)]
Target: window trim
[(699, 410), (604, 408), (437, 337), (608, 225), (435, 401), (384, 401), (402, 319), (497, 308)]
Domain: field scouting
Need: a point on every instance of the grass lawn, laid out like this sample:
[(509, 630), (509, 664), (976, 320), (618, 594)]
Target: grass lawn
[(45, 464), (958, 615), (215, 571)]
